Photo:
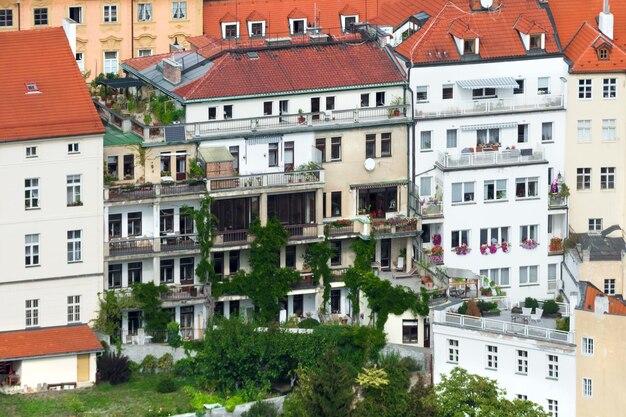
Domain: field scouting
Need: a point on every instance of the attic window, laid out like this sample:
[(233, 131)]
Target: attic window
[(535, 41), (469, 46), (603, 54), (297, 26), (348, 22), (32, 88), (256, 29), (230, 30)]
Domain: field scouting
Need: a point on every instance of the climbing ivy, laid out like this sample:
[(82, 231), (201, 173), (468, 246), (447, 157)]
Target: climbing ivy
[(148, 299), (364, 251), (316, 258), (109, 317)]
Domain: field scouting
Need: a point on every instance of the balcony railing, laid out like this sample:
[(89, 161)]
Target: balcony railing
[(233, 237), (145, 191), (385, 227), (305, 282), (171, 243), (338, 274), (339, 229), (131, 246), (432, 210), (184, 292), (555, 202), (479, 159), (511, 328), (276, 179), (487, 106), (302, 231)]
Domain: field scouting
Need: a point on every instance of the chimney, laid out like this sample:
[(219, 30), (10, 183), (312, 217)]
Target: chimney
[(69, 26), (605, 21), (172, 71), (601, 305)]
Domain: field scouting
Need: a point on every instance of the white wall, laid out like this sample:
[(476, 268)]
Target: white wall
[(49, 370), (393, 328)]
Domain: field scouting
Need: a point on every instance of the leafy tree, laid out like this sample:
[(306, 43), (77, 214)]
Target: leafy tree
[(463, 394), (316, 258), (148, 298), (267, 283), (109, 318)]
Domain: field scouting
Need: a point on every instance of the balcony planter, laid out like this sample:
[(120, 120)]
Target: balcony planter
[(506, 248), (463, 249), (437, 240), (529, 244), (556, 244)]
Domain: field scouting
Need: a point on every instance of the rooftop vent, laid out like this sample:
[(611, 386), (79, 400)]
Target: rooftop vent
[(278, 41), (253, 56)]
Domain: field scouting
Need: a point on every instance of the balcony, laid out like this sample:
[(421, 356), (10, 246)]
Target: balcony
[(305, 282), (172, 242), (343, 228), (447, 161), (304, 231), (132, 246), (233, 238), (148, 191), (395, 227), (284, 122), (488, 106), (338, 274), (184, 292), (432, 210), (276, 179), (557, 202)]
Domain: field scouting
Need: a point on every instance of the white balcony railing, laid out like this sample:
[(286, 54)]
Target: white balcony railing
[(487, 106), (479, 159), (276, 179)]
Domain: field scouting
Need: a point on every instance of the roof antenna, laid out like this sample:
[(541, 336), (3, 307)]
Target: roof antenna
[(607, 8)]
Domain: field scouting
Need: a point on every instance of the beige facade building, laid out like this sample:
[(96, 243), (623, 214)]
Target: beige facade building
[(109, 32)]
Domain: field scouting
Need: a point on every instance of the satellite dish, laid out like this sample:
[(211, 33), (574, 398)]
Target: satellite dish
[(369, 164), (486, 3)]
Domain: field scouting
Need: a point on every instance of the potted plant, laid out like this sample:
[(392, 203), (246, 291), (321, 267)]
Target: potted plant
[(395, 111), (147, 119), (436, 239), (462, 249), (556, 244), (483, 250), (505, 247), (301, 118), (529, 244)]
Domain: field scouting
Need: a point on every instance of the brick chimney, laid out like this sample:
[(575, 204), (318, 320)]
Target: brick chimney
[(601, 305), (605, 21), (172, 71)]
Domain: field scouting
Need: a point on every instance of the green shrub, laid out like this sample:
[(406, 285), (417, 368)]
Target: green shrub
[(166, 384), (233, 402), (173, 334), (563, 324), (166, 362), (487, 306), (530, 302), (149, 364), (463, 308), (550, 307), (559, 298), (410, 364), (114, 368), (308, 323), (135, 367), (199, 398), (261, 409)]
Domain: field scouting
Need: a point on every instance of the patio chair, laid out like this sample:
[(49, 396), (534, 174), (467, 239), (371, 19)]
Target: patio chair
[(526, 311), (537, 316)]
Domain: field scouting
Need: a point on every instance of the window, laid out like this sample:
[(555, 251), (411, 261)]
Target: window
[(587, 346), (520, 87), (288, 155), (330, 103), (228, 111), (469, 46), (134, 224), (608, 130), (495, 190), (167, 271), (607, 178), (492, 357), (478, 93), (218, 264), (609, 286), (234, 151), (112, 166), (335, 149), (135, 272), (32, 313), (425, 186), (378, 201), (320, 144), (335, 203), (453, 350), (144, 12), (6, 17), (447, 91), (584, 88), (31, 152), (553, 366), (290, 256), (31, 250), (528, 232), (365, 100), (298, 26), (501, 276), (583, 133), (609, 88), (522, 362), (546, 131), (552, 277), (543, 85), (267, 108), (380, 99), (335, 301), (233, 261), (595, 225), (212, 113), (186, 269), (115, 276), (272, 154), (409, 331), (115, 226), (73, 246), (80, 61), (129, 167), (385, 144), (144, 52), (230, 31), (485, 136), (528, 274), (522, 397), (335, 248), (583, 178), (526, 187), (31, 193), (603, 54), (462, 192), (110, 62), (522, 133), (426, 139), (73, 147), (587, 388), (179, 10), (459, 237), (370, 146), (553, 408), (494, 235), (75, 13), (73, 309), (73, 190), (421, 93), (451, 138), (110, 13), (256, 29), (41, 16)]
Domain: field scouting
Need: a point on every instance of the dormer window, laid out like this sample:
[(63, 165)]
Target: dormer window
[(347, 23), (297, 26), (230, 30), (256, 29), (470, 46), (603, 54), (535, 41), (32, 88)]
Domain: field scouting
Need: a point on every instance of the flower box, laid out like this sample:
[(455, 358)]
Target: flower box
[(556, 244), (463, 249), (529, 244)]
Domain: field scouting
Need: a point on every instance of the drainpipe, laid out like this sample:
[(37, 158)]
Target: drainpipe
[(19, 16), (132, 29)]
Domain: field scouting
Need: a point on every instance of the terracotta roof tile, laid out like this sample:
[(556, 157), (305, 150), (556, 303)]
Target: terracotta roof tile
[(255, 16), (348, 10), (297, 14), (47, 342), (582, 51), (141, 63), (228, 17), (294, 69), (62, 107), (616, 306)]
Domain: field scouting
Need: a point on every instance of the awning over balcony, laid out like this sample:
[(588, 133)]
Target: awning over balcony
[(381, 184), (503, 125), (502, 82)]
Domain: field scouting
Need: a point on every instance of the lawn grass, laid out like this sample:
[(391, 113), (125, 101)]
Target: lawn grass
[(131, 399)]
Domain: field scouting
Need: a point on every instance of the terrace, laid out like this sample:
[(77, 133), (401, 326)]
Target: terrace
[(142, 245), (470, 159)]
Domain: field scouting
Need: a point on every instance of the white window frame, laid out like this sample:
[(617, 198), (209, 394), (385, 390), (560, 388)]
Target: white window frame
[(531, 231), (179, 10), (292, 23), (499, 186), (452, 138), (461, 236), (467, 192), (501, 276), (453, 351), (587, 386), (583, 130), (553, 367), (421, 94), (543, 85), (80, 13), (494, 235), (595, 225), (553, 408), (256, 22), (73, 309), (31, 312), (227, 25), (31, 193), (344, 26), (74, 190), (74, 246), (607, 178), (609, 286), (43, 16), (6, 18), (426, 186), (522, 362), (609, 88), (609, 130), (492, 357), (527, 181), (583, 178), (31, 152), (111, 65), (527, 276), (31, 250), (552, 276), (109, 13), (587, 346), (585, 89), (144, 52), (73, 148), (547, 134), (144, 12), (80, 61), (426, 140)]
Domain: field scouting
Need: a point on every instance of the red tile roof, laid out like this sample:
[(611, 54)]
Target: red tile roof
[(277, 12), (62, 107), (583, 53), (294, 69), (498, 38), (395, 12), (48, 342), (616, 306)]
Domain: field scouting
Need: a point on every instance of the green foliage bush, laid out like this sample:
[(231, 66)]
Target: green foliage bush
[(550, 307), (199, 398), (308, 323), (166, 362), (563, 324), (261, 409), (233, 402), (530, 302), (149, 364), (487, 306), (410, 364), (114, 368), (174, 338), (166, 384), (463, 308)]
